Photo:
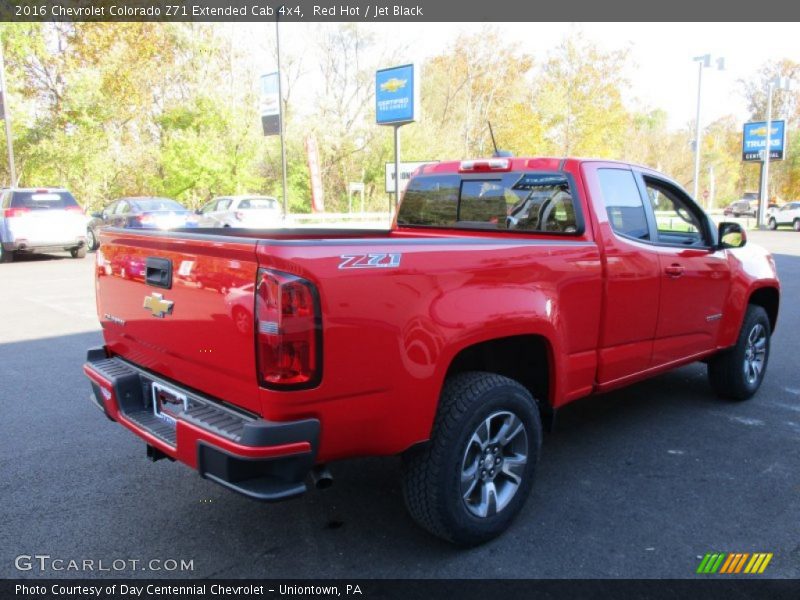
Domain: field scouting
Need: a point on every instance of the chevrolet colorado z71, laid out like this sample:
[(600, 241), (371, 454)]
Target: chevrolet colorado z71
[(505, 289)]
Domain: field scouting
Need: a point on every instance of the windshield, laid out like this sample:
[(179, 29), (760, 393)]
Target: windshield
[(502, 201), (154, 204), (42, 200)]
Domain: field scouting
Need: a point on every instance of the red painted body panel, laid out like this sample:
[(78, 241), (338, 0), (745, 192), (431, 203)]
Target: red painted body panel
[(608, 313)]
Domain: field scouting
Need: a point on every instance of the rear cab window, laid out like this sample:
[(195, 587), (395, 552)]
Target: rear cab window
[(42, 200), (513, 201)]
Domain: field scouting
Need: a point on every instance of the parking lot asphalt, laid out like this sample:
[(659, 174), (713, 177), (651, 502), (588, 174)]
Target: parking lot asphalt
[(641, 482)]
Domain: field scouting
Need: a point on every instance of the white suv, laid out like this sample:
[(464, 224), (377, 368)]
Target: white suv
[(788, 214), (40, 220)]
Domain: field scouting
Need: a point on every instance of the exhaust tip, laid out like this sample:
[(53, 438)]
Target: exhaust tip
[(322, 477)]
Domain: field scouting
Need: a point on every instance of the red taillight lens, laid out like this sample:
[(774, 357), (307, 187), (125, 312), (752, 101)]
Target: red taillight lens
[(15, 212), (288, 330), (75, 209), (146, 219)]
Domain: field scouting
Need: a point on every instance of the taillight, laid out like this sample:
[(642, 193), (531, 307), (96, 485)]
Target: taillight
[(288, 331), (146, 219), (15, 212), (75, 209)]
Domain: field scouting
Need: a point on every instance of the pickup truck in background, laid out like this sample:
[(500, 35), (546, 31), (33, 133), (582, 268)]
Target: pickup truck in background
[(505, 289)]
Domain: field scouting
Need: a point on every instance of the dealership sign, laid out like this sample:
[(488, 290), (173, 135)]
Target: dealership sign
[(396, 95), (754, 140), (406, 170), (270, 105)]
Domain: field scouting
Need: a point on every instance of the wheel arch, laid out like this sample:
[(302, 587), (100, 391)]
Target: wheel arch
[(525, 358), (769, 299)]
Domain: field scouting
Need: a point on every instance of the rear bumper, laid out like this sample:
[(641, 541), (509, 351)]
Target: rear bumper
[(43, 246), (260, 459)]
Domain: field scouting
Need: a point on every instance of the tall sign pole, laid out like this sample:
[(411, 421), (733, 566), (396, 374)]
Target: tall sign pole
[(763, 197), (7, 119), (396, 104), (282, 115), (396, 166)]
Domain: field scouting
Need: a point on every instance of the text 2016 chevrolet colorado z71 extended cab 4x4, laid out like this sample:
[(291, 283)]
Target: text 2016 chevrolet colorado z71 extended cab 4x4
[(507, 288)]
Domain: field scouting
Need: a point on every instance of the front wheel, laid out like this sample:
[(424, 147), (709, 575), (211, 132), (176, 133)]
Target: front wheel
[(79, 252), (737, 373), (796, 224), (91, 239), (773, 224), (6, 256), (474, 475)]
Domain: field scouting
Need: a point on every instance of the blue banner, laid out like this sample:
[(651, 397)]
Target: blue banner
[(395, 95), (754, 140)]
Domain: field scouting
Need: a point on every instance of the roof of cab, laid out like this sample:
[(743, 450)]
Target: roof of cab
[(521, 163)]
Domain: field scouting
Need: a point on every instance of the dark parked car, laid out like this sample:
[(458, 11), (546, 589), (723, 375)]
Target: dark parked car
[(143, 212), (741, 208)]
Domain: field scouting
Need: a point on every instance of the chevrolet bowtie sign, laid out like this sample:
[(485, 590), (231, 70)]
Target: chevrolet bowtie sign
[(159, 307)]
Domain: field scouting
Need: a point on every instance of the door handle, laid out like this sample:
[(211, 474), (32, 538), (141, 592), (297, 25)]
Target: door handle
[(158, 272), (674, 270)]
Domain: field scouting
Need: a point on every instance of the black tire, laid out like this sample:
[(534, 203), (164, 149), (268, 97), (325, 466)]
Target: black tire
[(432, 475), (91, 239), (79, 252), (773, 224), (796, 224), (736, 215), (6, 256), (728, 374)]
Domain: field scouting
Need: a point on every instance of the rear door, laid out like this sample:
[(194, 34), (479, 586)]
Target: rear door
[(161, 308), (632, 272), (695, 278)]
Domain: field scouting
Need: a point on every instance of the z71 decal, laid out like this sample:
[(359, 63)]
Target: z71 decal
[(370, 261)]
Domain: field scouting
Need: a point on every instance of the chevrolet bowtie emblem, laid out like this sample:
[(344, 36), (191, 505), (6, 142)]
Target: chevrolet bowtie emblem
[(156, 304)]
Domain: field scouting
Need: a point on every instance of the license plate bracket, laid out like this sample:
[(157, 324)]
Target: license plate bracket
[(168, 403)]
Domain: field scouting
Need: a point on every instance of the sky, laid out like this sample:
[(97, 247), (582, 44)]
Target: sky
[(663, 74)]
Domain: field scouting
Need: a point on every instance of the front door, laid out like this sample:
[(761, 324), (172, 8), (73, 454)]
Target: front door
[(695, 278)]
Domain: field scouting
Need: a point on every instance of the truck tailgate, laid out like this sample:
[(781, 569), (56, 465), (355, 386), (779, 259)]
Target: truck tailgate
[(198, 327)]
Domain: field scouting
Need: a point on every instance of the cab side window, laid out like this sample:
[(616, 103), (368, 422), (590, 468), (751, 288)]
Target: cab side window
[(624, 205)]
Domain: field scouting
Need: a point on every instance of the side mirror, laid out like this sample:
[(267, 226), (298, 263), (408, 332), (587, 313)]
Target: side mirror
[(97, 215), (198, 211), (731, 235)]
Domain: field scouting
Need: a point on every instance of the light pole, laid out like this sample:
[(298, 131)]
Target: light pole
[(6, 116), (703, 62), (780, 83), (281, 116)]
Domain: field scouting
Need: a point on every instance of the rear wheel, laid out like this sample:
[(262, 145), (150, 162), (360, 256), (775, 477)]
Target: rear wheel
[(737, 373), (6, 256), (473, 477), (773, 224), (796, 224), (79, 252)]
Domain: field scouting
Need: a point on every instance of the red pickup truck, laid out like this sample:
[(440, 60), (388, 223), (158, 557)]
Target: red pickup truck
[(506, 288)]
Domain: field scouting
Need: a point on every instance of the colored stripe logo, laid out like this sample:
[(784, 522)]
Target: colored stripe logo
[(731, 563)]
